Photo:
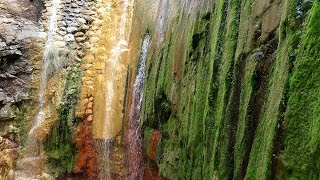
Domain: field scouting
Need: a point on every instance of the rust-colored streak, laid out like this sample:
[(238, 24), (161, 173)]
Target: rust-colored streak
[(87, 158), (152, 170), (152, 173), (155, 137)]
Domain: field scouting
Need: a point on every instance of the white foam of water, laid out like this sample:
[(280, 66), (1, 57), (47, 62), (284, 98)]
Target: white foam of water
[(138, 84)]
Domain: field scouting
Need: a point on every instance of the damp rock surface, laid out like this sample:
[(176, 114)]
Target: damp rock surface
[(225, 87), (149, 89), (18, 29)]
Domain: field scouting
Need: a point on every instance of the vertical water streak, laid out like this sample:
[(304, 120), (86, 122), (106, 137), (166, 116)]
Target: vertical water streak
[(134, 146), (162, 19), (117, 50), (48, 54), (31, 164), (118, 41), (105, 151), (123, 20)]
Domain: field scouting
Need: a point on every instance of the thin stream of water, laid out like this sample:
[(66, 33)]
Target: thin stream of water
[(116, 52), (134, 146), (32, 148), (105, 146), (47, 56)]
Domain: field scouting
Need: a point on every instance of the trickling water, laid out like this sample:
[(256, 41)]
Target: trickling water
[(162, 19), (105, 151), (117, 50), (31, 165), (116, 44), (47, 56), (134, 146)]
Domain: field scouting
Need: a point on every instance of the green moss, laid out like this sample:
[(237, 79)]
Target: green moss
[(223, 115), (266, 151), (169, 156), (302, 126), (262, 148), (20, 123), (59, 145), (243, 130)]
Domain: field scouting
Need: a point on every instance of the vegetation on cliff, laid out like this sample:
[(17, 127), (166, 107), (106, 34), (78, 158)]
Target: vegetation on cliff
[(234, 92), (59, 145), (231, 91), (301, 145)]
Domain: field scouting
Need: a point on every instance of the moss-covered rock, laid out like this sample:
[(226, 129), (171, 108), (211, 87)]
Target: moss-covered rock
[(59, 144), (302, 124), (219, 88)]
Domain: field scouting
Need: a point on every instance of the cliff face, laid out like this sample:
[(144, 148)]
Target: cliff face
[(230, 87), (198, 89), (41, 49), (19, 39)]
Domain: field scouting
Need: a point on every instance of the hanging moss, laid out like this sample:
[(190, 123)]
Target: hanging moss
[(20, 123), (302, 127), (59, 145), (228, 120), (170, 153)]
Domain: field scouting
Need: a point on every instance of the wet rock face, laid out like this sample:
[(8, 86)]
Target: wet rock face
[(18, 19), (27, 9), (8, 154), (15, 69)]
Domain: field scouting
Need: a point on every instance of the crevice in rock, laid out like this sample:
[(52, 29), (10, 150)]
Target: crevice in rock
[(260, 81), (234, 80), (8, 59), (276, 165), (163, 109), (219, 52), (234, 99)]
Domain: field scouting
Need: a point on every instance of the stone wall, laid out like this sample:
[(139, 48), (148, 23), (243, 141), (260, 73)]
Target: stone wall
[(22, 37), (65, 153)]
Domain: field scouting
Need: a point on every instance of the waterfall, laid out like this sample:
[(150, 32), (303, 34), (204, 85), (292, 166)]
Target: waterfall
[(32, 162), (119, 47), (117, 14), (134, 146), (48, 55), (104, 147)]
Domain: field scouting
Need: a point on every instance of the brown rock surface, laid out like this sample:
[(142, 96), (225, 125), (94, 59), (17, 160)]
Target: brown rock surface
[(8, 156), (87, 158), (18, 29), (86, 162), (19, 36)]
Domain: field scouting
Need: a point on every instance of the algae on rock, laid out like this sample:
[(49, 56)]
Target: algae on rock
[(235, 111), (59, 144)]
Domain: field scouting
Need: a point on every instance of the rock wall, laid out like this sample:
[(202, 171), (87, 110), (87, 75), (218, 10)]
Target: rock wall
[(18, 29), (229, 87), (23, 32), (68, 143), (75, 77)]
